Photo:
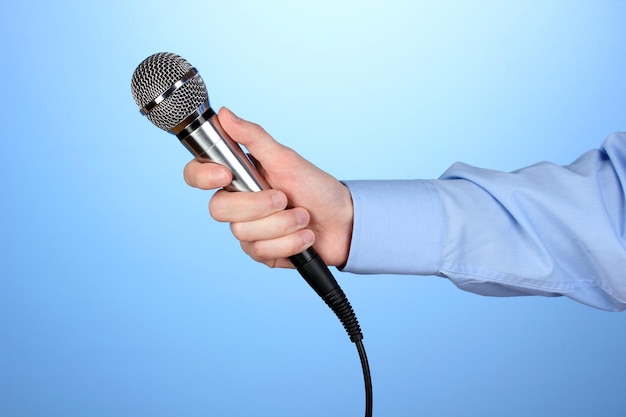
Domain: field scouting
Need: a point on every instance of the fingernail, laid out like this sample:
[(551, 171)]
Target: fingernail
[(308, 237), (220, 178), (279, 201), (302, 217)]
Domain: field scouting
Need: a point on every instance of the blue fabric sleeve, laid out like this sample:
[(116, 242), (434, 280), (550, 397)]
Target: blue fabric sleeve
[(542, 230)]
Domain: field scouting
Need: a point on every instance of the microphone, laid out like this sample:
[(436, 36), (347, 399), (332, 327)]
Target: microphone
[(173, 96)]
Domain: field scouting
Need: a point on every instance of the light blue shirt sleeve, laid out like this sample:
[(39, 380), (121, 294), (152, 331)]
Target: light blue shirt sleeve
[(542, 230)]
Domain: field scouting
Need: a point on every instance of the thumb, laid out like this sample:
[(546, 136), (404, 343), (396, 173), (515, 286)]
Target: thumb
[(251, 135)]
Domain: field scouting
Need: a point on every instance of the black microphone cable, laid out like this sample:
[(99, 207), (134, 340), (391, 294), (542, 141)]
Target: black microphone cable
[(173, 96), (319, 277)]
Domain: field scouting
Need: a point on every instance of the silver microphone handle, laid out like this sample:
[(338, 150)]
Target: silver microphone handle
[(210, 143)]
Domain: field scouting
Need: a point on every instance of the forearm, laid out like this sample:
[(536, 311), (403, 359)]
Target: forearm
[(545, 229)]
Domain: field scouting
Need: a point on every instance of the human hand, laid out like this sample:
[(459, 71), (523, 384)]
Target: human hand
[(320, 207)]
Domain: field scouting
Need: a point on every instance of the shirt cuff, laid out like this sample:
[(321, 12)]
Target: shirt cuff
[(398, 227)]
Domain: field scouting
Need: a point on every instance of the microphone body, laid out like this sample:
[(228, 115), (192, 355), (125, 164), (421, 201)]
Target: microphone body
[(208, 142)]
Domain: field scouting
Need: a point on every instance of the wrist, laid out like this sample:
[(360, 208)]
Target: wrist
[(346, 226)]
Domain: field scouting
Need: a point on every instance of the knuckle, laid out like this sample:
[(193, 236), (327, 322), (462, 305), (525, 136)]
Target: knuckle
[(238, 230), (257, 129), (250, 249), (259, 251)]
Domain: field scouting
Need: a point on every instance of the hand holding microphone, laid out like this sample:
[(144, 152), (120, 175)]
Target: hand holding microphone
[(322, 206)]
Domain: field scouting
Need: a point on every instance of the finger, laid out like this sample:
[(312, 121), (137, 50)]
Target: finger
[(282, 247), (260, 143), (206, 175), (232, 207), (274, 226)]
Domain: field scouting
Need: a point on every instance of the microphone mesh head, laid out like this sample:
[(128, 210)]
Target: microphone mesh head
[(155, 75)]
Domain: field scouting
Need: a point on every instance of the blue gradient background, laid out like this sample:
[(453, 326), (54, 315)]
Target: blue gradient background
[(120, 296)]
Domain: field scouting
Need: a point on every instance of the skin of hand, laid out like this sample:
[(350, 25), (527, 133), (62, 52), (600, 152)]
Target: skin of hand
[(320, 207)]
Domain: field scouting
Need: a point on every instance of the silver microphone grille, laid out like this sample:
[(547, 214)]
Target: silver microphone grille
[(157, 74)]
